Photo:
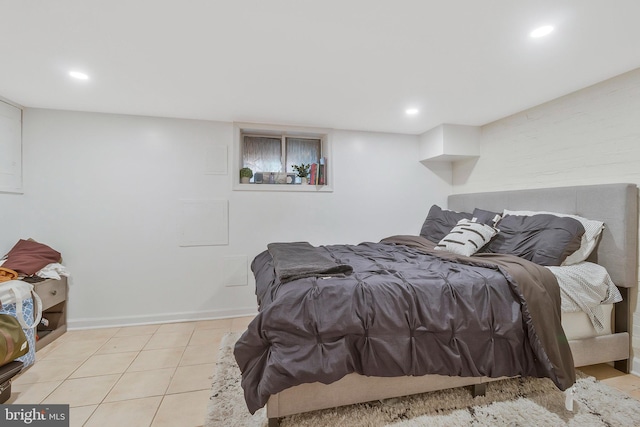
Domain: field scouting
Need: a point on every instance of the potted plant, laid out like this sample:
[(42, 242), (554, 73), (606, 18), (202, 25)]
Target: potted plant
[(245, 175), (302, 171)]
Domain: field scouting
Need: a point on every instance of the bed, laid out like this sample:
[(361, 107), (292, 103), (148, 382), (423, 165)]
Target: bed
[(616, 250)]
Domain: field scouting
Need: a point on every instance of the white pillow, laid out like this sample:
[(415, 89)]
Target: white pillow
[(592, 230), (466, 238)]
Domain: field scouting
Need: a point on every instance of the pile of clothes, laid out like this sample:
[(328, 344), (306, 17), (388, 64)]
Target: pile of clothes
[(29, 259)]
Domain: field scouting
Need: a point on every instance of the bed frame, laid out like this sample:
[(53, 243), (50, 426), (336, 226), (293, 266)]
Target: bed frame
[(617, 251)]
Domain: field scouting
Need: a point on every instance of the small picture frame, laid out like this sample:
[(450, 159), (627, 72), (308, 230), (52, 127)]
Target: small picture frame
[(291, 178), (269, 178)]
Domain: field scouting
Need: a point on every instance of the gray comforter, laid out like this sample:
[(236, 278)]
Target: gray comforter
[(405, 310)]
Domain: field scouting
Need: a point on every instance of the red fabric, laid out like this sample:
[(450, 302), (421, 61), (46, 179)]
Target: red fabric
[(28, 257)]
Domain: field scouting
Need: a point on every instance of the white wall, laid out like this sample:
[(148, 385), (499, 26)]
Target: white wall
[(104, 190), (588, 137), (11, 203), (11, 220)]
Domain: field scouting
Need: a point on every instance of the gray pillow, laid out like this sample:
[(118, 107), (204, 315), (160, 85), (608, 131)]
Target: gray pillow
[(439, 223), (487, 217), (543, 239)]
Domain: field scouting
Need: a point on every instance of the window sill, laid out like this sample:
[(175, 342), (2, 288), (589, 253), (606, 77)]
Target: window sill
[(292, 188)]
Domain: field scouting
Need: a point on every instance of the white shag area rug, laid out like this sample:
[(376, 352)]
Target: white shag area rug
[(513, 402)]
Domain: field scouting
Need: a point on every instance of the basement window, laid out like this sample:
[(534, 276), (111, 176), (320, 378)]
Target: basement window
[(270, 154)]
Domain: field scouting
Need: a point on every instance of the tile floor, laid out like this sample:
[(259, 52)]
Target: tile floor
[(627, 383), (152, 375)]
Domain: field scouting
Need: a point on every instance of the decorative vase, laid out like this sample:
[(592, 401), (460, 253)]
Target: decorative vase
[(244, 180), (304, 181)]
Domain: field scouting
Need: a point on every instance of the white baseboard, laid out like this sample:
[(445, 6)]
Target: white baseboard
[(109, 322)]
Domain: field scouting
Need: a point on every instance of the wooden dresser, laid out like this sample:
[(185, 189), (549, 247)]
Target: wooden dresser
[(53, 294)]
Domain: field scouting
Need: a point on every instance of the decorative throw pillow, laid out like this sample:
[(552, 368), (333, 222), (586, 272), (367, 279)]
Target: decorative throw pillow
[(543, 239), (28, 257), (439, 222), (592, 231), (467, 237)]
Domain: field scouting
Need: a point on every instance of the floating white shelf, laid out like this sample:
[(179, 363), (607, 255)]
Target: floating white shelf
[(449, 143)]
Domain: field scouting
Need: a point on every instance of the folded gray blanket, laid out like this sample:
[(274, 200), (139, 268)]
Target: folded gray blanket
[(298, 260)]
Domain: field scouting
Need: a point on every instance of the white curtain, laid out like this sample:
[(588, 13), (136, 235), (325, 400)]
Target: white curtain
[(262, 154), (302, 150)]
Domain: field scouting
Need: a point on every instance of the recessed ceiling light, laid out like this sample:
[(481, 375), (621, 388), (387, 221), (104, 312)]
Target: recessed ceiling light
[(541, 32), (412, 111), (78, 75)]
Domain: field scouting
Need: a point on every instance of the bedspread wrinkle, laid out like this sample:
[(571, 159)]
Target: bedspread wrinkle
[(405, 310)]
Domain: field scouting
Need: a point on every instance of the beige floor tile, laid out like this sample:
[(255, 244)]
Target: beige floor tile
[(105, 364), (214, 324), (134, 385), (625, 383), (48, 370), (42, 353), (124, 344), (161, 363), (199, 354), (80, 414), (31, 394), (210, 337), (239, 324), (168, 340), (75, 349), (635, 393), (181, 327), (129, 413), (184, 410), (88, 334), (148, 360), (192, 378), (601, 371), (129, 331), (82, 391)]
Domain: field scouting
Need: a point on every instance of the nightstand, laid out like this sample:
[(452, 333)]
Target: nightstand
[(53, 294)]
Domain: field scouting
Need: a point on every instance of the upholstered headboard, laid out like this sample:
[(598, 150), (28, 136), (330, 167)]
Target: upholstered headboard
[(615, 204)]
